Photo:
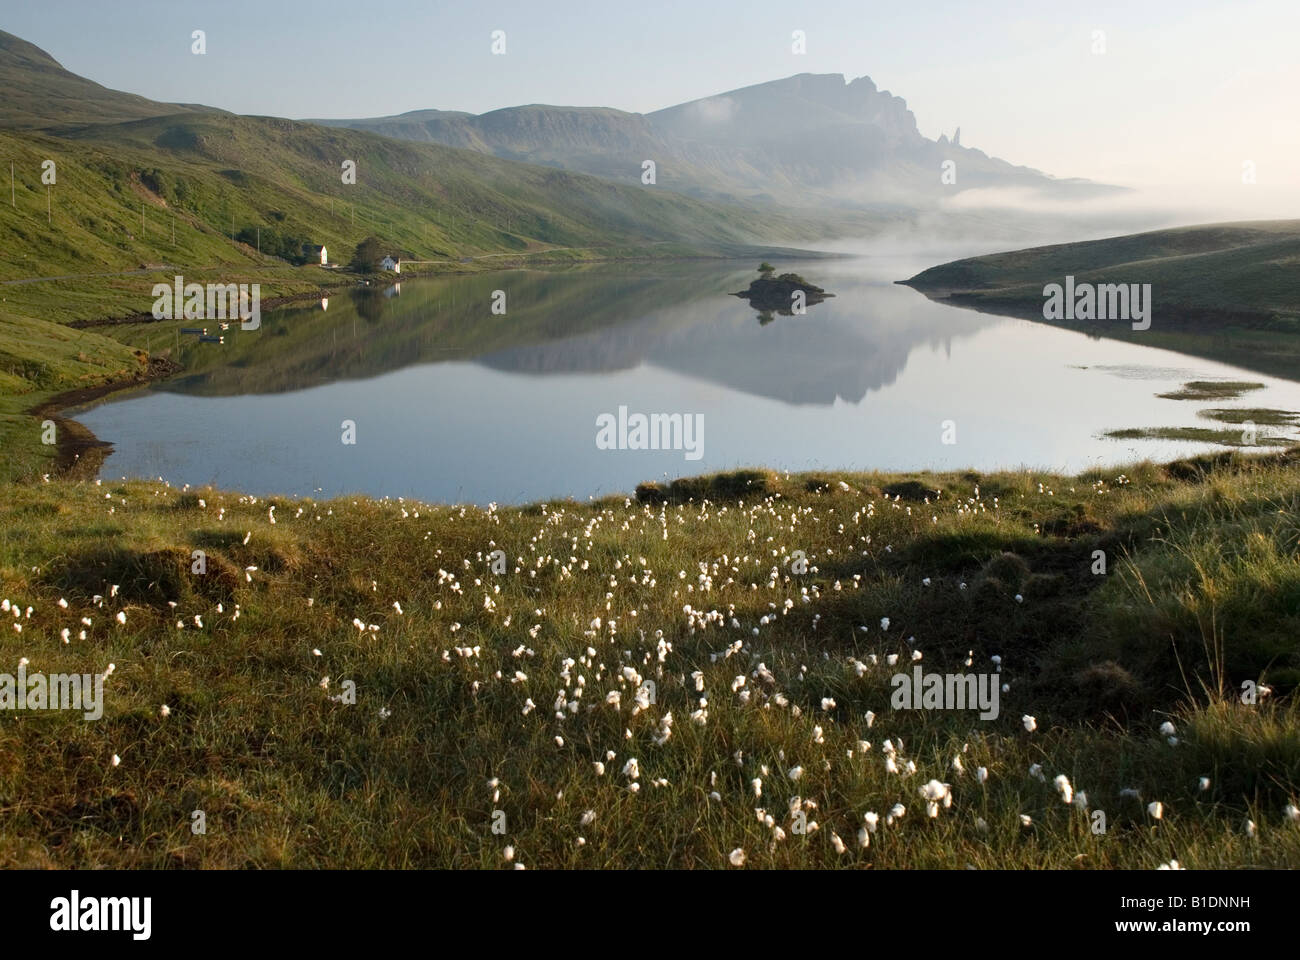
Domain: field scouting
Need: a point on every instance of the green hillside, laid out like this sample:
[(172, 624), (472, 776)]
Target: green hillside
[(39, 92), (1227, 291)]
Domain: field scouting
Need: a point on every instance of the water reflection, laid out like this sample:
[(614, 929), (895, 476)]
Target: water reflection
[(454, 402)]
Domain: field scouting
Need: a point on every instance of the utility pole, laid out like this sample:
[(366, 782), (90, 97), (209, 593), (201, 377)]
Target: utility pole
[(259, 241), (173, 229), (12, 201), (141, 219)]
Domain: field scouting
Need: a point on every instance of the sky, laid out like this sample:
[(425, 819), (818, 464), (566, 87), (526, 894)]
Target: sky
[(1185, 92)]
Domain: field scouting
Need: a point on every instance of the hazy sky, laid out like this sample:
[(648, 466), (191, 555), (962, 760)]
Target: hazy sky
[(1185, 91)]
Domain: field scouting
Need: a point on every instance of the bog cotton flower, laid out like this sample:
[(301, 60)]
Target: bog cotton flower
[(935, 792), (1063, 787), (1156, 809), (1031, 724), (737, 857)]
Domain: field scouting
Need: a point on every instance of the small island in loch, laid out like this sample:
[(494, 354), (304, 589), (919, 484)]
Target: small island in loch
[(770, 294)]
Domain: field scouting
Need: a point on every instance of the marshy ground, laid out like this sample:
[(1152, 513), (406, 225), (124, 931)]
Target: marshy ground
[(360, 683)]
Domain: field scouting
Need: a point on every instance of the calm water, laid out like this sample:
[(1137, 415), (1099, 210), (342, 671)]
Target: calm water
[(452, 403)]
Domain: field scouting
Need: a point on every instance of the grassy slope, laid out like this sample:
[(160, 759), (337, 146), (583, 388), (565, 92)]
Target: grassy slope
[(1225, 291), (1201, 564), (39, 92)]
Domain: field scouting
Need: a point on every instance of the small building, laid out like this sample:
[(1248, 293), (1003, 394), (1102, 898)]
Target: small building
[(315, 254), (392, 263)]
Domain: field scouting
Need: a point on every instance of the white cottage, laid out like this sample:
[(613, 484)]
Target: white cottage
[(391, 263), (313, 252)]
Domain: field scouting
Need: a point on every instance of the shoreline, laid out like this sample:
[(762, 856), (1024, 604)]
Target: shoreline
[(80, 454)]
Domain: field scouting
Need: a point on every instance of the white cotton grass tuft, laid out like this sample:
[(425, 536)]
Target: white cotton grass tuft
[(1031, 723), (1063, 787), (1167, 729), (737, 857), (935, 793), (1156, 810)]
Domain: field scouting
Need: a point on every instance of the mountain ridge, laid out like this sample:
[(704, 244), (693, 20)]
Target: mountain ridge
[(807, 139)]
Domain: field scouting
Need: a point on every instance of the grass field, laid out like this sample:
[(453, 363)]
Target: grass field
[(1225, 291), (350, 684)]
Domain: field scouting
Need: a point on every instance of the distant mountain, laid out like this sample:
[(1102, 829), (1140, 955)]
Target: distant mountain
[(128, 165), (811, 138), (40, 94)]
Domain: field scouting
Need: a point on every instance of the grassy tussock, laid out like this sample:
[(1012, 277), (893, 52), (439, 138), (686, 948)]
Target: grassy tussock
[(457, 693)]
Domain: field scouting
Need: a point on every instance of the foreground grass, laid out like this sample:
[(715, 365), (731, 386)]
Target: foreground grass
[(487, 698)]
